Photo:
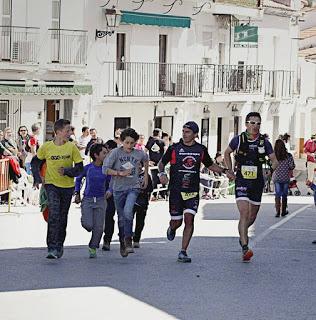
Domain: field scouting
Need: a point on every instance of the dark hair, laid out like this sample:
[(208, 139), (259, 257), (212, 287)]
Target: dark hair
[(60, 124), (129, 132), (286, 137), (96, 149), (280, 150), (164, 134), (72, 128), (110, 144), (253, 114), (20, 129), (35, 127), (91, 129), (156, 132), (84, 129)]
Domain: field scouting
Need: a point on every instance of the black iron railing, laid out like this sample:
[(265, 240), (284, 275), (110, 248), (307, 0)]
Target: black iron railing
[(280, 84), (19, 44), (179, 80), (68, 46)]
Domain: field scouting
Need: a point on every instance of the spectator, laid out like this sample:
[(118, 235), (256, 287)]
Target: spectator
[(281, 177), (310, 150), (22, 141), (32, 147), (166, 139), (83, 142), (9, 143), (93, 139), (117, 136), (140, 145), (156, 149)]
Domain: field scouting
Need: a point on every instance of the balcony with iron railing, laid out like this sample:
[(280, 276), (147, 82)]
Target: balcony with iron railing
[(136, 79), (280, 84), (68, 47), (19, 45), (167, 80)]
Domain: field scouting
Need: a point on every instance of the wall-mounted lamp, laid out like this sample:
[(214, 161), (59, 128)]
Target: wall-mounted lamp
[(206, 110), (235, 110), (113, 19)]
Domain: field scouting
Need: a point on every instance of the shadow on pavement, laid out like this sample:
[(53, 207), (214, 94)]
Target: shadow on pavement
[(215, 285)]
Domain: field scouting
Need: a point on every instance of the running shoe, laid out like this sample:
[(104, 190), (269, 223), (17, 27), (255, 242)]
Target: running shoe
[(92, 253), (314, 242), (246, 253), (52, 254), (171, 234), (183, 257), (106, 246)]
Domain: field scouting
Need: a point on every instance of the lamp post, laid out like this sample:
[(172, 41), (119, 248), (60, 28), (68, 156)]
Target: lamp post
[(113, 19)]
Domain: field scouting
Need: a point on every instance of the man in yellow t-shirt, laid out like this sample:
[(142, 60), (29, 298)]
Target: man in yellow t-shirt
[(64, 162)]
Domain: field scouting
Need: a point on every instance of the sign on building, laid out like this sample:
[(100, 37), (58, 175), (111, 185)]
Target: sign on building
[(245, 36)]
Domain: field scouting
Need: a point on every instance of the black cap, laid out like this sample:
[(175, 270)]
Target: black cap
[(192, 125)]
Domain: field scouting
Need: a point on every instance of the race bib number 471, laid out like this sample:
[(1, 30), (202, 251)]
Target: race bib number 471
[(249, 172)]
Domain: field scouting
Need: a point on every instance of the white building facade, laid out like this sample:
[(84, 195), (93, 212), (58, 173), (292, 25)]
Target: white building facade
[(211, 62)]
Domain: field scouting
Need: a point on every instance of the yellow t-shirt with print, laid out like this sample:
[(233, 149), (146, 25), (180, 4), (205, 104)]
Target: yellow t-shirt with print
[(57, 157)]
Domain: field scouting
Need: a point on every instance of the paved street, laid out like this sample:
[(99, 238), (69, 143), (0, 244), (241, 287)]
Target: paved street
[(278, 284)]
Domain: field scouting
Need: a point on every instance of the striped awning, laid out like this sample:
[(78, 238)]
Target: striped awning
[(153, 19), (44, 88)]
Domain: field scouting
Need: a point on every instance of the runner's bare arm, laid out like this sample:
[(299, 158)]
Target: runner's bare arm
[(228, 159)]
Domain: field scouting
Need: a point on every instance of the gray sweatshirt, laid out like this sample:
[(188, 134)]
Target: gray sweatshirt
[(120, 160)]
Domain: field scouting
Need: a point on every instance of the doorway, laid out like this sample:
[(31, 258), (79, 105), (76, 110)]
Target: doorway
[(164, 123), (52, 114)]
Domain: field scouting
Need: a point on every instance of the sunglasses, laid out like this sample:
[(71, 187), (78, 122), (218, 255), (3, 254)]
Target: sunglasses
[(254, 122)]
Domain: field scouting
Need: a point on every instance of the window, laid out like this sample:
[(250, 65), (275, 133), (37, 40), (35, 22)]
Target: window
[(122, 123), (6, 12), (205, 125), (120, 51), (55, 17), (162, 61), (4, 108)]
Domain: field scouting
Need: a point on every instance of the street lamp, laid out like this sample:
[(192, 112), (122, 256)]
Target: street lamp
[(113, 19)]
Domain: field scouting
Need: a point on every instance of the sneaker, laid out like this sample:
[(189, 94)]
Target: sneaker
[(136, 245), (52, 254), (128, 245), (314, 242), (246, 253), (92, 253), (171, 234), (123, 251), (183, 257), (106, 246)]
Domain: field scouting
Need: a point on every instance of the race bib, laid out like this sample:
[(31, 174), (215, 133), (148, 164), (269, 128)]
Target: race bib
[(188, 195), (249, 172)]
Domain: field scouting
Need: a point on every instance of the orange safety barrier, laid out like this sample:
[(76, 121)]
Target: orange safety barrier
[(5, 180)]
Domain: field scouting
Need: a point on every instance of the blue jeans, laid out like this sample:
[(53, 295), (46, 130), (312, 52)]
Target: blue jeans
[(281, 189), (313, 187), (124, 203)]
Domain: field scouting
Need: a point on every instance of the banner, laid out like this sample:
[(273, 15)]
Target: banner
[(246, 36)]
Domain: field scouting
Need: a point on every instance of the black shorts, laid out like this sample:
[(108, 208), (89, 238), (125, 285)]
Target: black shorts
[(249, 190), (183, 202)]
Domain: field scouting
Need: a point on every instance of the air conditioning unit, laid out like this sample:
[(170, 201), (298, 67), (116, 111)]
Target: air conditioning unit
[(22, 51)]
